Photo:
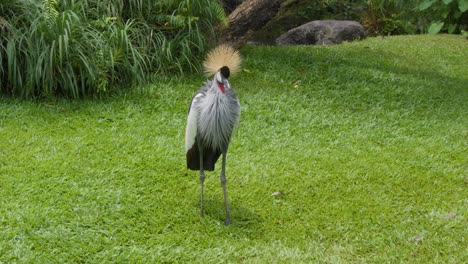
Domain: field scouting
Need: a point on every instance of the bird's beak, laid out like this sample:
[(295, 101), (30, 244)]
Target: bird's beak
[(226, 83)]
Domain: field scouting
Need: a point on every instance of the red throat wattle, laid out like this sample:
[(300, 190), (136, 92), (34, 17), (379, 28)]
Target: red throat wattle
[(221, 86)]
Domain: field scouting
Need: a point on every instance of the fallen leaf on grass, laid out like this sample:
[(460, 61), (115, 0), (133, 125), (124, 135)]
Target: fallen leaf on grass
[(278, 193), (296, 84), (416, 239), (450, 216)]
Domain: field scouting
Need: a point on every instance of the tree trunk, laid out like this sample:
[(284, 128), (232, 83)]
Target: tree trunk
[(248, 17)]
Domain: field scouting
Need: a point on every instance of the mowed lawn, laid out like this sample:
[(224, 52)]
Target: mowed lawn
[(366, 141)]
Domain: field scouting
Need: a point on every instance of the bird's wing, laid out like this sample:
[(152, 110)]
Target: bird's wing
[(192, 122), (237, 120)]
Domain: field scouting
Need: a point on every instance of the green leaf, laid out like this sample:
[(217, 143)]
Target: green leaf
[(435, 27), (425, 4), (463, 5), (446, 2), (451, 28), (444, 14)]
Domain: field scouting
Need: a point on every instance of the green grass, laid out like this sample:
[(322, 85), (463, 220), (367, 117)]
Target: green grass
[(370, 152)]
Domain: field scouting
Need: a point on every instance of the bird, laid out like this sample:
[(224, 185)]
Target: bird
[(213, 116)]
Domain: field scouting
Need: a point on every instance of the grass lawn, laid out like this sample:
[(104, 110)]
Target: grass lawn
[(369, 149)]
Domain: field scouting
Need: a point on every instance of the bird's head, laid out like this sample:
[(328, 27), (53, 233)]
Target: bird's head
[(223, 61), (222, 78)]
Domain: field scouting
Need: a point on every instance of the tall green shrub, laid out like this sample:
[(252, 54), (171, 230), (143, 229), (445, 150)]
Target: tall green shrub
[(445, 15), (56, 50), (77, 48), (392, 17), (386, 17)]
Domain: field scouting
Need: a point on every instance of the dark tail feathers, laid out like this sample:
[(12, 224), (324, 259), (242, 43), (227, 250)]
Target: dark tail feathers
[(209, 158)]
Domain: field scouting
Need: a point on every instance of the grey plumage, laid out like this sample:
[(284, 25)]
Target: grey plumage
[(218, 114)]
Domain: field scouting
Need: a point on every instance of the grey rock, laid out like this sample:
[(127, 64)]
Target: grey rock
[(323, 32)]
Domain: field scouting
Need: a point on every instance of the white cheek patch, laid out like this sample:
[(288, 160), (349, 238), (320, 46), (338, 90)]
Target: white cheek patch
[(218, 77)]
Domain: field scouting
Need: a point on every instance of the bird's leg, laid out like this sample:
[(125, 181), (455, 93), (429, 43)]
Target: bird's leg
[(202, 183), (223, 183)]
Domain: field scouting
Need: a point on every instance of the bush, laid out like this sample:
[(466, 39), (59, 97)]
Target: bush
[(381, 17), (77, 48), (447, 16), (394, 17), (378, 17)]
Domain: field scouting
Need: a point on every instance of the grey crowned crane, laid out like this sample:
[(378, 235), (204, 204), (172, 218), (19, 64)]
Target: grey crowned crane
[(213, 115)]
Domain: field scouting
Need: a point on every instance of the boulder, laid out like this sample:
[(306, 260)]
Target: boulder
[(323, 32)]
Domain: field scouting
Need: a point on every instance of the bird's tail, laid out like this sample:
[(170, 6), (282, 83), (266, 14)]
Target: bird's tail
[(221, 56)]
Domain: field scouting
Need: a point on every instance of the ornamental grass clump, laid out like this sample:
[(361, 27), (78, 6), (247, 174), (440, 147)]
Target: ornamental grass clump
[(86, 48)]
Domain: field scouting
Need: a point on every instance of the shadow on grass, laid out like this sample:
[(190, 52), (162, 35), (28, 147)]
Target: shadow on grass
[(343, 68), (241, 216)]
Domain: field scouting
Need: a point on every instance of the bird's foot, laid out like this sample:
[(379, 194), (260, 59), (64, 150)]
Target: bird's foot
[(227, 222)]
